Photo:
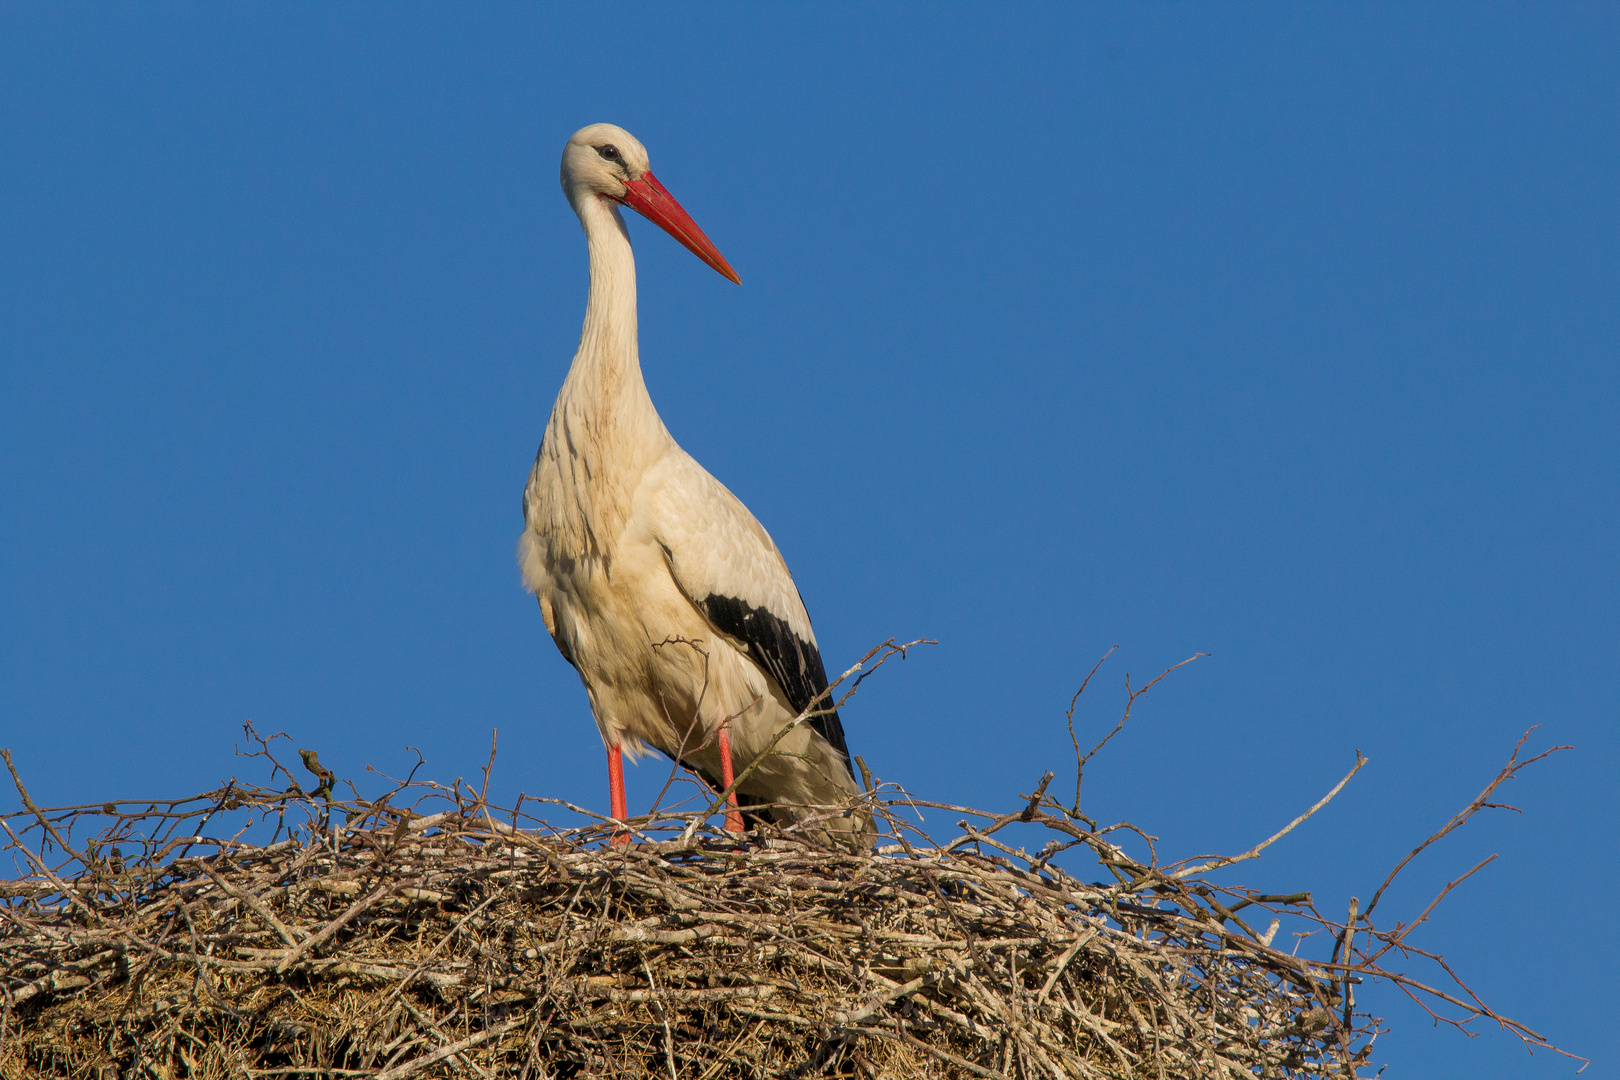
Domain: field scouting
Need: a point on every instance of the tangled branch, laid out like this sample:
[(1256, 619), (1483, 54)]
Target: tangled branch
[(265, 932)]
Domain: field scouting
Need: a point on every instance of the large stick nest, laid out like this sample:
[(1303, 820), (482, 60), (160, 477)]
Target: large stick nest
[(254, 932)]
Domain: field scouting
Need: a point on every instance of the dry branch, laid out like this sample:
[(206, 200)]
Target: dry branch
[(426, 933)]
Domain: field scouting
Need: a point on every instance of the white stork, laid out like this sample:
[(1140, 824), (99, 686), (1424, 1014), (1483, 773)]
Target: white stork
[(655, 582)]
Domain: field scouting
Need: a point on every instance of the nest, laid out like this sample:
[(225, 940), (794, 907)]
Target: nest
[(256, 932)]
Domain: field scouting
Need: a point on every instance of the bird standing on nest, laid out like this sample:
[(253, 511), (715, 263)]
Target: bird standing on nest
[(655, 582)]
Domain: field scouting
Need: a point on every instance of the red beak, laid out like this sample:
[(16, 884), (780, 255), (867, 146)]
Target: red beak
[(653, 201)]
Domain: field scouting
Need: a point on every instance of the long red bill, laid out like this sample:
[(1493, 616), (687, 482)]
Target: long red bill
[(653, 201)]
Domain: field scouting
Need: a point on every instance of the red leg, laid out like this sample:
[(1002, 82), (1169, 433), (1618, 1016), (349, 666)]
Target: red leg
[(616, 789), (734, 820)]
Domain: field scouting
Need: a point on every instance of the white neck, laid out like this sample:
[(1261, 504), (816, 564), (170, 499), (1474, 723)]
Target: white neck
[(610, 313), (605, 381)]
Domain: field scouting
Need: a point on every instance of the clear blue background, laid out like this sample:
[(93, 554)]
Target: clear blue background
[(1285, 334)]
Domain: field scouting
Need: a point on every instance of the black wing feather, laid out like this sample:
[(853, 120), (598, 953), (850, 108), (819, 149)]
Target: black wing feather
[(795, 664)]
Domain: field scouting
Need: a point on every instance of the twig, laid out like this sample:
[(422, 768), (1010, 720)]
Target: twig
[(1221, 863), (1480, 802), (415, 1065), (1130, 703)]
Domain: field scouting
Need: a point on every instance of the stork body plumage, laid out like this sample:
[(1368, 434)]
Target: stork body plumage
[(656, 583)]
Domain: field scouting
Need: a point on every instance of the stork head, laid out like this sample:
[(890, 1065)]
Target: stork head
[(604, 161)]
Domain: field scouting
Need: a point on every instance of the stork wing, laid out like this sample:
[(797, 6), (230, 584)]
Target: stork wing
[(725, 563)]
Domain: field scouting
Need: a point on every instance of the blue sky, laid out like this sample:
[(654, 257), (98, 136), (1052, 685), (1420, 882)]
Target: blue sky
[(1283, 334)]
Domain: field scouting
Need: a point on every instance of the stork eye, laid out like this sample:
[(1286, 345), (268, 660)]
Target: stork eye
[(610, 153)]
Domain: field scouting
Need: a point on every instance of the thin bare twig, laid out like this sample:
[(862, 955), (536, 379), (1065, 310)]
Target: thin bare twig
[(1130, 703), (1221, 863)]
